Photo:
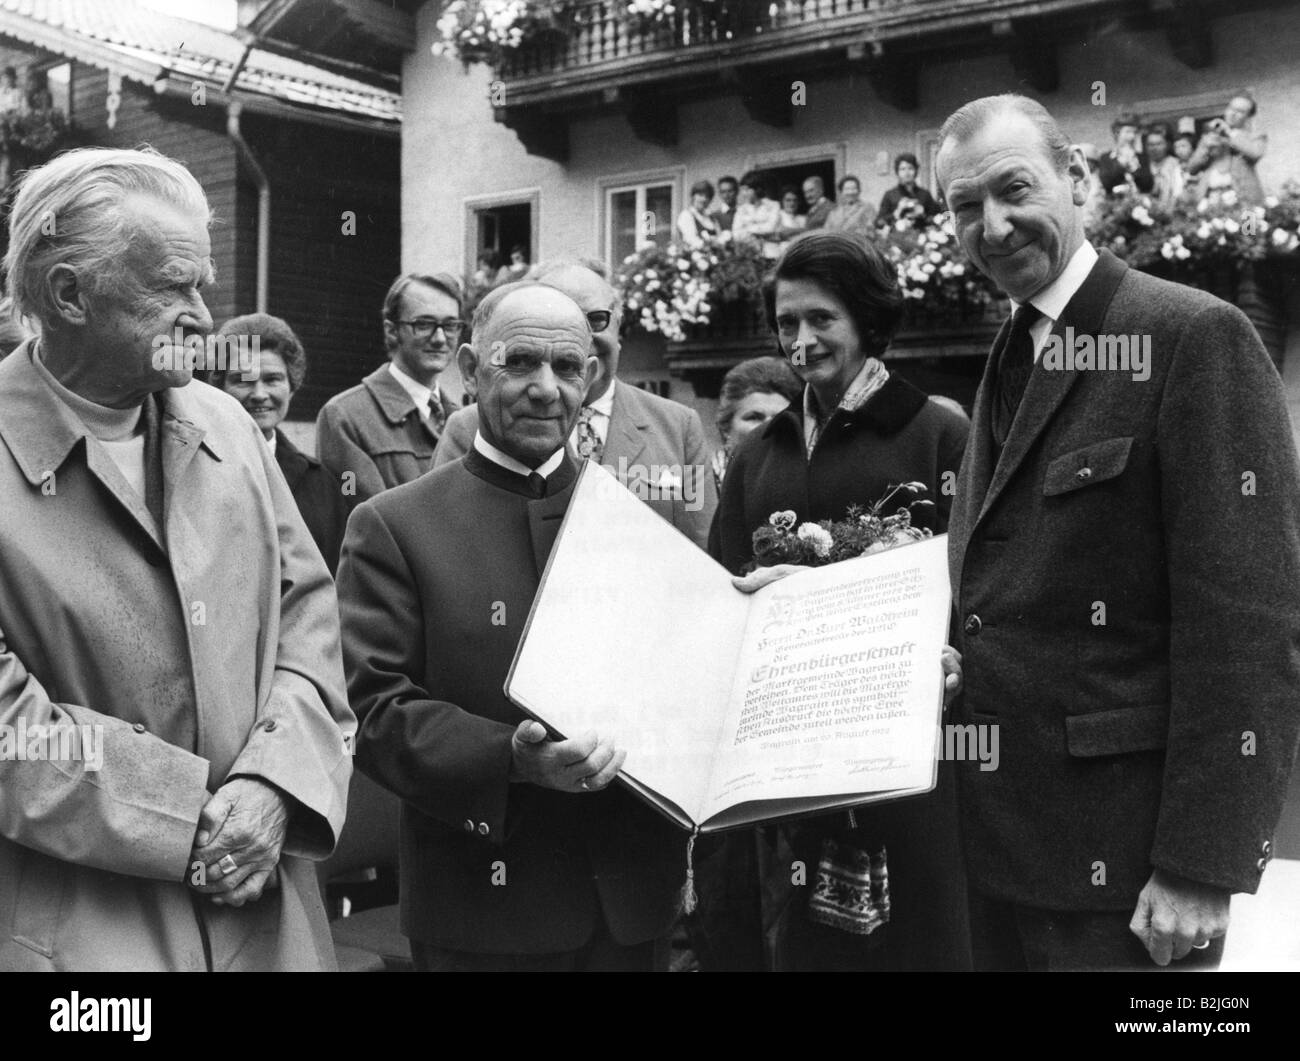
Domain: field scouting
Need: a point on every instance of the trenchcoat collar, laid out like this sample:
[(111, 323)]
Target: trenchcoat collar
[(41, 432)]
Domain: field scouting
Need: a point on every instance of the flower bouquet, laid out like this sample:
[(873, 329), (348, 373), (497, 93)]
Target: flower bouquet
[(860, 533)]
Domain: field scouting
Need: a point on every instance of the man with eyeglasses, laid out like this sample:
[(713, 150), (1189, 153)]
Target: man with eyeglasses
[(653, 445), (385, 429)]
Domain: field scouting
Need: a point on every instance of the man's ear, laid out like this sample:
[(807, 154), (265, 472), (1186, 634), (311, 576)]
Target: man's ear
[(390, 336), (468, 365), (594, 368), (1080, 176), (67, 294)]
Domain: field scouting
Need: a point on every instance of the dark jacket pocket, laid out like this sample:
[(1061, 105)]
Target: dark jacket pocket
[(1115, 732), (1087, 466)]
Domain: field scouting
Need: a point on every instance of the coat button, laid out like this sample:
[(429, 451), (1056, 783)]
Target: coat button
[(1266, 848), (469, 826), (138, 727), (483, 829), (269, 725), (1261, 864), (972, 625), (1083, 473)]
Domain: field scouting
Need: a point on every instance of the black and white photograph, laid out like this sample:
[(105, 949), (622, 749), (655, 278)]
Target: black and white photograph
[(693, 486)]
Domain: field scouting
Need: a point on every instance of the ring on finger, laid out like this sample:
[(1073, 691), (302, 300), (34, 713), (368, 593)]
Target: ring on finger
[(1200, 946), (585, 784), (227, 865)]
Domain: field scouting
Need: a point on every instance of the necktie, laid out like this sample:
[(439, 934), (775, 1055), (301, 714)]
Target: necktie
[(537, 483), (590, 446), (1015, 364), (437, 419)]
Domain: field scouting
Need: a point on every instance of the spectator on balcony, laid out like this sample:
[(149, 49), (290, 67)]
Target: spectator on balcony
[(907, 201), (757, 217), (851, 214), (753, 392), (791, 223), (516, 268), (1165, 170), (724, 213), (12, 100), (39, 99), (1229, 150), (485, 275), (1124, 169), (695, 226), (819, 207)]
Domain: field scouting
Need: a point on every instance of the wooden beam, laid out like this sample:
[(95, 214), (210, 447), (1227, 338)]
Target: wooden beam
[(1189, 35), (766, 94), (652, 116), (1034, 59), (543, 135)]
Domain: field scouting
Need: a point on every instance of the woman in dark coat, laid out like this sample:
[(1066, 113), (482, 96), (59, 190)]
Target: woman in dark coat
[(264, 384), (859, 430)]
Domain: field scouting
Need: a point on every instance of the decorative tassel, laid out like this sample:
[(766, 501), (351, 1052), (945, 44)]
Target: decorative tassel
[(853, 819), (689, 898)]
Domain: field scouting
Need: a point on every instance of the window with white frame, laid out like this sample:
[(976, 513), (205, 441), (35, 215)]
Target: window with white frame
[(636, 212)]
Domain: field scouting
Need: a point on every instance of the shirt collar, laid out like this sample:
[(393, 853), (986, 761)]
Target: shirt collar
[(420, 394), (604, 405), (1052, 300), (510, 464), (270, 441)]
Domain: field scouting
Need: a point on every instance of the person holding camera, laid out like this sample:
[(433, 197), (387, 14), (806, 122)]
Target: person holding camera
[(1229, 151)]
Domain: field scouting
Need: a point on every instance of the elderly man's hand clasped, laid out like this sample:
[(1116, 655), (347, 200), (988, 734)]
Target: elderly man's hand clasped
[(240, 837), (581, 764)]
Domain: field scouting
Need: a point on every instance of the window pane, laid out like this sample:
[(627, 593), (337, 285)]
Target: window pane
[(622, 226), (659, 201)]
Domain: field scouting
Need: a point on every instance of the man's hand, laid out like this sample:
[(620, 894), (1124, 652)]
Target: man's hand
[(246, 822), (1175, 914), (762, 576), (951, 662), (580, 764)]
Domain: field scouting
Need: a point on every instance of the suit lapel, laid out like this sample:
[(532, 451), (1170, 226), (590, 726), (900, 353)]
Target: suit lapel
[(1084, 313), (625, 425)]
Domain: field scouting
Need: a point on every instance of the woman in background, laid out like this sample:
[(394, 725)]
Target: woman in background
[(752, 393), (264, 381), (695, 225)]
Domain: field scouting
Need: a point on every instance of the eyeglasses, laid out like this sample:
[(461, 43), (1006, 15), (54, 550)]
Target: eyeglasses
[(599, 319), (426, 326)]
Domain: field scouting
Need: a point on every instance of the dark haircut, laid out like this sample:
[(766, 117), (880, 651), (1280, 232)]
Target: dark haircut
[(702, 188), (845, 180), (851, 269), (758, 375), (1122, 119), (728, 180), (487, 256), (754, 180), (444, 282), (1191, 138), (964, 122), (274, 336), (790, 189), (906, 156)]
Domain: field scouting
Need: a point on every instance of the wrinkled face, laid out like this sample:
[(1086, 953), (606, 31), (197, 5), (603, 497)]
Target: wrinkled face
[(591, 293), (906, 173), (812, 191), (422, 357), (818, 337), (1016, 216), (790, 202), (1237, 112), (727, 192), (533, 365), (752, 412), (1182, 149), (159, 301), (266, 398), (849, 192), (1157, 147)]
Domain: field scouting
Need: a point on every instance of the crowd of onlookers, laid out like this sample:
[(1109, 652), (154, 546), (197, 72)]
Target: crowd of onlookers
[(1169, 163), (745, 214)]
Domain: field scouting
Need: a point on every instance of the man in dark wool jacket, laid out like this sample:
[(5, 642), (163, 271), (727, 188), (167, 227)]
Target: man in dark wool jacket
[(1124, 548), (515, 853)]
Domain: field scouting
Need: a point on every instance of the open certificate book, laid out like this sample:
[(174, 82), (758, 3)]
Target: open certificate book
[(820, 691)]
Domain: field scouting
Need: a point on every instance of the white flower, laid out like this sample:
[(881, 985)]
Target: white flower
[(1142, 217), (1280, 236), (818, 537)]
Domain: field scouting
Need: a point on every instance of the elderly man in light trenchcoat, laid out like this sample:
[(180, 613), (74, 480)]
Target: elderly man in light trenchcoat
[(160, 600)]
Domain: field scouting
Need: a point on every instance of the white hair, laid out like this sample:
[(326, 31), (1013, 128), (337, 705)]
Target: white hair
[(68, 212)]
